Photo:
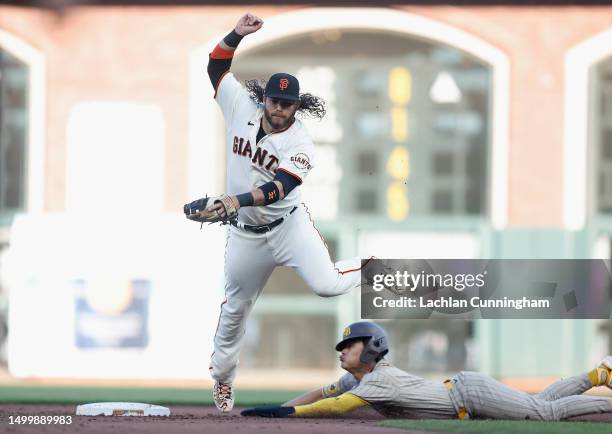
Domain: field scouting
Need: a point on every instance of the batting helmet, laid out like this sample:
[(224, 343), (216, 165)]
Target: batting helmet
[(376, 345)]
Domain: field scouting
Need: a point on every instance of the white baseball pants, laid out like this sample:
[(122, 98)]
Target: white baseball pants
[(249, 261)]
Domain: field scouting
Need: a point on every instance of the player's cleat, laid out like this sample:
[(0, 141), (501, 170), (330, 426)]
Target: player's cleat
[(223, 395), (605, 365), (599, 376)]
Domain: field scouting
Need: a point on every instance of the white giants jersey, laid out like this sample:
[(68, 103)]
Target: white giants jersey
[(251, 164)]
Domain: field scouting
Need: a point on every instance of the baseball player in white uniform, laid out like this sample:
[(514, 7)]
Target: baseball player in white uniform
[(371, 380), (269, 154)]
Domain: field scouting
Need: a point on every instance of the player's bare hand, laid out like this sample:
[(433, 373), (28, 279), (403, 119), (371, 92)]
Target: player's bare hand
[(248, 24)]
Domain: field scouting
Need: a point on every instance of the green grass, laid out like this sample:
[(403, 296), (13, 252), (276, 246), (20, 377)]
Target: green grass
[(168, 396), (500, 426)]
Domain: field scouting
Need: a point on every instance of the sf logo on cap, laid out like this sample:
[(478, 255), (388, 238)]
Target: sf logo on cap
[(347, 331), (284, 84)]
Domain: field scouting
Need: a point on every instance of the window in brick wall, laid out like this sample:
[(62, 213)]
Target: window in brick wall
[(601, 134), (408, 120), (14, 77)]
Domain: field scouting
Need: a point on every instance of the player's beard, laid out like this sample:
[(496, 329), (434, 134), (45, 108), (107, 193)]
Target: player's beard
[(278, 123)]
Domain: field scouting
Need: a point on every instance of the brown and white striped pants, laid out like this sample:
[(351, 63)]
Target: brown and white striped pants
[(486, 398)]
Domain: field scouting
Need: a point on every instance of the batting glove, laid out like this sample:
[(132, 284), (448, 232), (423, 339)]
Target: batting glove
[(269, 411)]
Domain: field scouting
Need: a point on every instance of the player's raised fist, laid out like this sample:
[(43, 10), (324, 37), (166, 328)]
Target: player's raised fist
[(248, 23)]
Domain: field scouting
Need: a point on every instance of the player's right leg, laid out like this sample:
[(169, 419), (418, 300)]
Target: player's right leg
[(574, 385), (601, 375), (248, 265)]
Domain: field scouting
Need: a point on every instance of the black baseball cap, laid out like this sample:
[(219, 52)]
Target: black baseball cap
[(283, 86)]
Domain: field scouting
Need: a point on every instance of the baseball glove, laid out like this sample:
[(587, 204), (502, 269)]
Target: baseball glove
[(198, 210)]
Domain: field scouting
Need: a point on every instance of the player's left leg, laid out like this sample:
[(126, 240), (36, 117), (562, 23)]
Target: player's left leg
[(248, 264), (300, 246), (579, 405)]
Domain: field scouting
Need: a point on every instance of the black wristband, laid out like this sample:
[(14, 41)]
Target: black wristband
[(232, 39), (270, 192), (245, 199)]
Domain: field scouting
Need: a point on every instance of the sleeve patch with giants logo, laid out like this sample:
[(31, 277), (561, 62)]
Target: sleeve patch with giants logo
[(301, 161)]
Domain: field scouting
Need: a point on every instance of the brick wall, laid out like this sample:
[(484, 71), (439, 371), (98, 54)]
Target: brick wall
[(141, 54)]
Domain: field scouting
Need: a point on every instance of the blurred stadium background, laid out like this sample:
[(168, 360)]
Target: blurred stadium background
[(457, 130)]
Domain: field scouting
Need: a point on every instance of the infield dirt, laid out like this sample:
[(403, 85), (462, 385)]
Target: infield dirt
[(200, 420)]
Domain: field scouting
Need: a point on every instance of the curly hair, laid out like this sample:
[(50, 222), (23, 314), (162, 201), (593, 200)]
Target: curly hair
[(310, 105)]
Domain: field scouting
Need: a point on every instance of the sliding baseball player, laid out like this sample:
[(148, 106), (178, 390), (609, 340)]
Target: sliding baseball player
[(371, 380)]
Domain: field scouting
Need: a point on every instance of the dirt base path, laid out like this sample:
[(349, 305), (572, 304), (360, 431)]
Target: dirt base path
[(200, 420), (186, 420)]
